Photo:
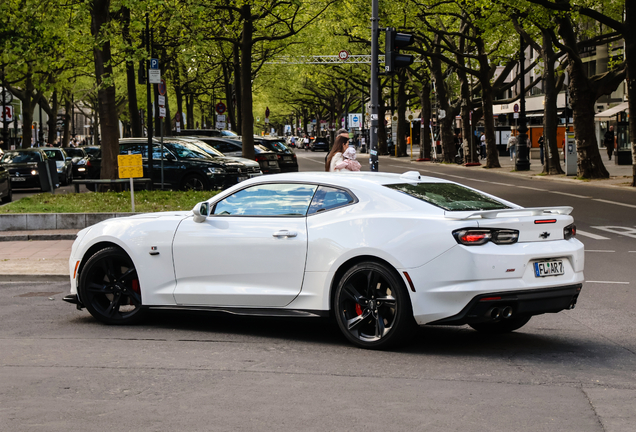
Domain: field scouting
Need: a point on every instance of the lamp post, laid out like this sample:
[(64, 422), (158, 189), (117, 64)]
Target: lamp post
[(523, 162)]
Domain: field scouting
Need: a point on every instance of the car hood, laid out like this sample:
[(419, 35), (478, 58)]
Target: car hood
[(21, 165), (244, 161)]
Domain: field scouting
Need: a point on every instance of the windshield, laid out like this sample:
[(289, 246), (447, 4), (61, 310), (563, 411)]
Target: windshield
[(74, 152), (14, 157), (449, 196), (54, 154), (207, 148), (276, 146), (186, 150), (92, 150), (229, 133)]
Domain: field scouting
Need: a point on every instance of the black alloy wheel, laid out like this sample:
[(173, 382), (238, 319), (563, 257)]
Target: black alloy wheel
[(194, 182), (503, 326), (372, 306), (109, 287)]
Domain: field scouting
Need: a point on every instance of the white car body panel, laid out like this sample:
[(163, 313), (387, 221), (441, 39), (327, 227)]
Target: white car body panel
[(236, 261), (211, 258)]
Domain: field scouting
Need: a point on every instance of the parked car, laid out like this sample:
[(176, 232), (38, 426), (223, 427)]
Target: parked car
[(267, 159), (210, 133), (23, 168), (380, 252), (63, 164), (286, 157), (77, 155), (252, 167), (91, 150), (319, 143), (6, 193)]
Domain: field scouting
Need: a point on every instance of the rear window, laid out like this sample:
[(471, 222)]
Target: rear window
[(450, 197)]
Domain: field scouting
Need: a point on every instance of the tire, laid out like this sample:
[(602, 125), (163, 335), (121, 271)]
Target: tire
[(504, 326), (109, 288), (8, 197), (194, 182), (372, 306)]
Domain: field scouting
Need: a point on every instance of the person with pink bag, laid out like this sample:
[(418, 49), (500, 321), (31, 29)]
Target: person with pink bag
[(349, 161)]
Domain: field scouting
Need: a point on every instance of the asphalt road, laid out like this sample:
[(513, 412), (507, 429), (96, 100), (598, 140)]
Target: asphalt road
[(572, 371)]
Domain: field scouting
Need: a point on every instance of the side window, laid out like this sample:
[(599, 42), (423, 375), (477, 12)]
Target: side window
[(156, 152), (327, 198), (268, 200), (134, 149)]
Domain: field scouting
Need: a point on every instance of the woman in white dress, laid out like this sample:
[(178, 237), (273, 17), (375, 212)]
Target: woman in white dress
[(335, 155)]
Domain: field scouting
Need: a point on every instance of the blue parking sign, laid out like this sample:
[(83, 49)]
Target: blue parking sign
[(154, 63)]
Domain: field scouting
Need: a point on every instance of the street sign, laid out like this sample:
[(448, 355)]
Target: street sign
[(130, 166), (161, 100), (220, 108), (516, 108), (154, 76), (266, 120), (162, 88), (8, 96), (7, 113), (516, 115), (442, 114), (355, 120), (220, 125), (343, 55), (154, 63), (220, 118), (162, 112)]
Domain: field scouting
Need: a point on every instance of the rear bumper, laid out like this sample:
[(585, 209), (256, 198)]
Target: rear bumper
[(529, 302)]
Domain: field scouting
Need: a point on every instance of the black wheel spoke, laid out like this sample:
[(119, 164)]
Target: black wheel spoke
[(353, 294), (109, 270), (380, 329), (372, 282), (357, 320), (388, 301), (127, 273), (95, 287), (113, 308), (134, 297)]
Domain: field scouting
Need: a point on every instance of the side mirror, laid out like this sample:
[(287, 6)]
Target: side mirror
[(170, 157), (201, 211), (68, 158)]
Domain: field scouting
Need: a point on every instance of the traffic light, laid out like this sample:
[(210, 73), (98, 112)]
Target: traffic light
[(392, 59)]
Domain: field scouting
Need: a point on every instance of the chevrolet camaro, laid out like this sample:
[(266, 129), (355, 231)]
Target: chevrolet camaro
[(381, 253)]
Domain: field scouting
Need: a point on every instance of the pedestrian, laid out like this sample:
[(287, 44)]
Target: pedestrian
[(482, 146), (608, 140), (306, 142), (335, 155), (349, 161), (512, 145), (541, 141)]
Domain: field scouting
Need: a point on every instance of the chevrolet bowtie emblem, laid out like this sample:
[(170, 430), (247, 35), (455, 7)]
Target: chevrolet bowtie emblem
[(544, 235)]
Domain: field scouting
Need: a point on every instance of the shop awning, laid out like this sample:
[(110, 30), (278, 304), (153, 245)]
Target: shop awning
[(612, 111)]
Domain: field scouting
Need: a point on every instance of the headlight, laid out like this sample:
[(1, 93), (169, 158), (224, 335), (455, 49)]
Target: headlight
[(60, 170), (216, 170), (34, 172), (81, 162)]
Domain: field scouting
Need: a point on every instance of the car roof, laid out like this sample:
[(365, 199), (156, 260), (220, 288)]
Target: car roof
[(347, 178)]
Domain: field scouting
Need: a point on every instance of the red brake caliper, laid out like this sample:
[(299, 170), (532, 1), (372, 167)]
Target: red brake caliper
[(358, 309), (135, 288)]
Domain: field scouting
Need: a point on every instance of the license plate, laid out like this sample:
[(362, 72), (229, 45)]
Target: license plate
[(272, 163), (287, 158), (240, 179), (548, 268), (18, 179)]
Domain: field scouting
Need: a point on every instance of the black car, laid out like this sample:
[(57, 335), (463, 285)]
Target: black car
[(252, 168), (62, 163), (77, 155), (6, 193), (209, 133), (267, 159), (185, 165), (319, 143), (23, 167), (286, 157)]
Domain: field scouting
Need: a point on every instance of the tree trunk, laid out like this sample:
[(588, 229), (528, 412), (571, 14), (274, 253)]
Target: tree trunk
[(131, 79), (445, 124), (630, 53), (68, 108), (53, 118), (402, 131), (26, 97), (492, 155), (552, 158), (227, 84), (100, 17), (238, 93), (189, 99), (247, 112), (425, 118)]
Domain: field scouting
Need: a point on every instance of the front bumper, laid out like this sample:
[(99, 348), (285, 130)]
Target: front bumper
[(28, 182), (528, 302)]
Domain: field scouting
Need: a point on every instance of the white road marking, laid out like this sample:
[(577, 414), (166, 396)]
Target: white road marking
[(589, 250), (626, 231), (570, 194), (632, 251), (532, 188), (608, 282), (501, 184), (317, 161), (590, 235), (614, 202)]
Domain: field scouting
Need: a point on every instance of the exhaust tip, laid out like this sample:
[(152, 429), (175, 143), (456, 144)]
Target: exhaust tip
[(493, 313), (506, 312), (572, 305)]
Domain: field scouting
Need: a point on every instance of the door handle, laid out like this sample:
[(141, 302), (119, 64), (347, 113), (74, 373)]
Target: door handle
[(285, 233)]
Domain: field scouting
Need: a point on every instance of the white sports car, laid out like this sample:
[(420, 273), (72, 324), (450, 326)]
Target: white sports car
[(380, 252)]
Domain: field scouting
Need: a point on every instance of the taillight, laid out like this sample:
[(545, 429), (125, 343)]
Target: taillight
[(569, 232), (279, 157), (477, 236), (261, 158), (88, 163)]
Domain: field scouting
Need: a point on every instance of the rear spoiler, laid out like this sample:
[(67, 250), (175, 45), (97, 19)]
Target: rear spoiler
[(492, 214)]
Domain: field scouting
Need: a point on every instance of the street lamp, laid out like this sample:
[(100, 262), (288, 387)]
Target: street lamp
[(523, 162)]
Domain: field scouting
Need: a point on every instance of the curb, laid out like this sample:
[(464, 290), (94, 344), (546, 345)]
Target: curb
[(36, 237), (51, 221), (34, 278)]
